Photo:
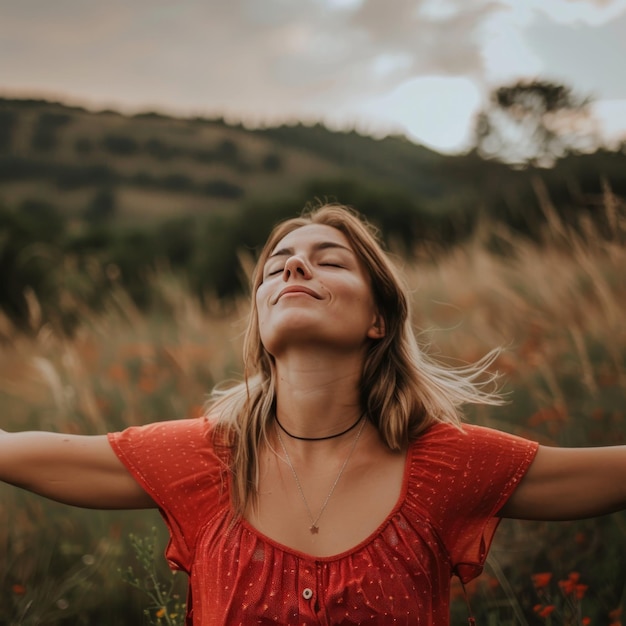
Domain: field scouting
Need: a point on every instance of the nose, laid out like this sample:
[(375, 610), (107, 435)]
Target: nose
[(296, 266)]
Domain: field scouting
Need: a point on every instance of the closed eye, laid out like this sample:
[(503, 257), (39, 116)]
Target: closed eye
[(331, 265), (276, 271)]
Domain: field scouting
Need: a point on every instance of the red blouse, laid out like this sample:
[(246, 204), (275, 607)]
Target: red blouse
[(443, 523)]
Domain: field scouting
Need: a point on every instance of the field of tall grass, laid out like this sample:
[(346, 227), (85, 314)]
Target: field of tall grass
[(558, 310)]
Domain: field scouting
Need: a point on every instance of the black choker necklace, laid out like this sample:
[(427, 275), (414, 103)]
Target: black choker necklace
[(343, 432)]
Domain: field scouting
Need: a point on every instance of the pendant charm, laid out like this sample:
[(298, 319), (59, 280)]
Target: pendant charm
[(314, 529)]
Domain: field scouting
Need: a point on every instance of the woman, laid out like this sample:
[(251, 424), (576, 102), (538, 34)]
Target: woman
[(336, 484)]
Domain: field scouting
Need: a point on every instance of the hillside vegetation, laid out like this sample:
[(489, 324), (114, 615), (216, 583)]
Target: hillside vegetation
[(155, 167), (92, 199)]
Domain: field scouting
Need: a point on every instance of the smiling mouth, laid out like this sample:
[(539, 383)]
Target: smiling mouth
[(297, 291)]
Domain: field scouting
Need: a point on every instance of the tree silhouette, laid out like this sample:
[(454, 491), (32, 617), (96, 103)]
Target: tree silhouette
[(535, 123)]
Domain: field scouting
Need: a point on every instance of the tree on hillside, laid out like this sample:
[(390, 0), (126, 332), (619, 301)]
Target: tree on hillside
[(535, 123)]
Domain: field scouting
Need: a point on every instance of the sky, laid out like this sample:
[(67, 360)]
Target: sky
[(422, 68)]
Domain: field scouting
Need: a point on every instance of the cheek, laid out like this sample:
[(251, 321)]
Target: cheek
[(358, 293), (260, 305), (263, 311)]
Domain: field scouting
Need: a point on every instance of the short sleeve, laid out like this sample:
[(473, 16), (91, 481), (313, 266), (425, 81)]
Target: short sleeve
[(469, 475), (175, 462)]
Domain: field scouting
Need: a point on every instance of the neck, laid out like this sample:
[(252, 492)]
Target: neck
[(317, 398)]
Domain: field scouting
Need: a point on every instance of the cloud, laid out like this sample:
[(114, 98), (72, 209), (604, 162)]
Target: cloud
[(587, 57), (591, 12), (242, 55), (438, 44), (311, 59)]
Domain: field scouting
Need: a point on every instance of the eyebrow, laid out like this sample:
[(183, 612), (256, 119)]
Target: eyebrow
[(322, 245)]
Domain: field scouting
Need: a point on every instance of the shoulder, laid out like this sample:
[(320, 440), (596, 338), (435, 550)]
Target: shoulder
[(465, 473), (167, 442), (168, 430), (177, 462), (466, 436), (470, 448)]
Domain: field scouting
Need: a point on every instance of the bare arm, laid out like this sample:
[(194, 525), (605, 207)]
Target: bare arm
[(571, 483), (73, 469)]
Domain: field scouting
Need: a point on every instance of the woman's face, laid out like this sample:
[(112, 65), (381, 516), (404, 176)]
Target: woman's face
[(315, 292)]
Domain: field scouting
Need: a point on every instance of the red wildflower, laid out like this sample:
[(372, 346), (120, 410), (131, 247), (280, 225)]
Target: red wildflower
[(547, 610), (542, 579), (574, 577), (552, 414)]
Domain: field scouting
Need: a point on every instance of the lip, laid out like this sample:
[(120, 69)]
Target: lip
[(298, 289)]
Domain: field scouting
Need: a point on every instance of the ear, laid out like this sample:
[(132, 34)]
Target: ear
[(377, 329)]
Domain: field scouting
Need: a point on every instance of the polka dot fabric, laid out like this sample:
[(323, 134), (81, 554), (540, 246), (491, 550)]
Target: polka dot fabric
[(443, 523)]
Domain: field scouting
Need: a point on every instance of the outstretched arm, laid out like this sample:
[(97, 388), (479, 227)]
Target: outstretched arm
[(570, 483), (73, 469)]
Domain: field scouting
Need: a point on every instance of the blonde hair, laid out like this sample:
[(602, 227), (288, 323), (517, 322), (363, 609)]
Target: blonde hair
[(402, 391)]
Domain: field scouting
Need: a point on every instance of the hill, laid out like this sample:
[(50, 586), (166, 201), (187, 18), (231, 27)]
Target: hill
[(148, 168), (151, 167)]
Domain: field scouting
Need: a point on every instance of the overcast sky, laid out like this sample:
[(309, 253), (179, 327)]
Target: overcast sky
[(420, 67)]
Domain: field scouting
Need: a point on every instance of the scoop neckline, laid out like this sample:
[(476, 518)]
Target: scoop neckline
[(246, 525)]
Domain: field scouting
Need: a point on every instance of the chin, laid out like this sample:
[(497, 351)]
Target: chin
[(308, 338)]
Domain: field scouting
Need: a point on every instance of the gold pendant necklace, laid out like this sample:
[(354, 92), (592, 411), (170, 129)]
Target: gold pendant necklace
[(314, 528)]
